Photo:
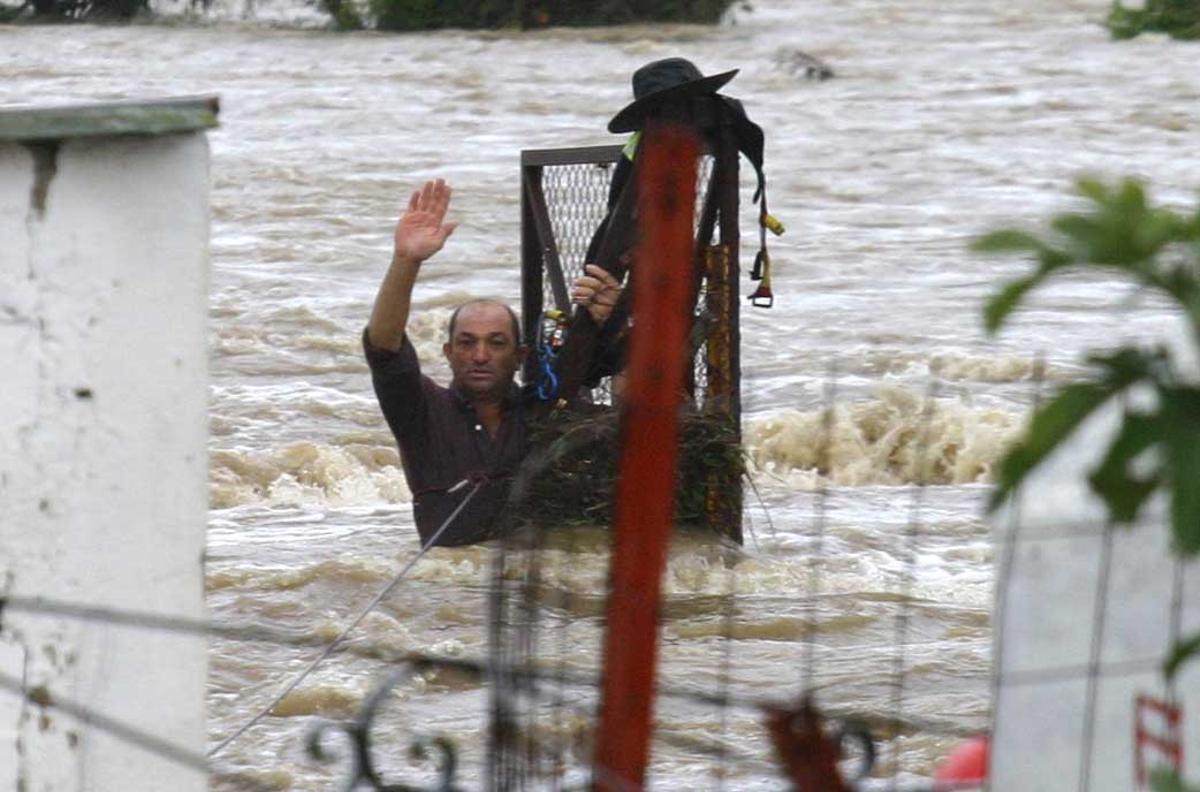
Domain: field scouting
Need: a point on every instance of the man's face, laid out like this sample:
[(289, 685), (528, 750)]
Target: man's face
[(482, 353)]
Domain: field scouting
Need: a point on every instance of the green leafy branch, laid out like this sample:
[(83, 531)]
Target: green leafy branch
[(1163, 780), (1157, 446), (1178, 18)]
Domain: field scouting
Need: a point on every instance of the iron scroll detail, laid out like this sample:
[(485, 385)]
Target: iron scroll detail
[(363, 771)]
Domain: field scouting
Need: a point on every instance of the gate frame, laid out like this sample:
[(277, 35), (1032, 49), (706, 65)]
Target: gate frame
[(541, 261)]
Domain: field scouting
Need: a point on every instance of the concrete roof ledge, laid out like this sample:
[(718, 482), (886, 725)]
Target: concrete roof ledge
[(136, 117)]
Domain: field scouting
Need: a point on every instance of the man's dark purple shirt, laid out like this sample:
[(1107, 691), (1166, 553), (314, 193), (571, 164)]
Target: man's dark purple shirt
[(443, 443)]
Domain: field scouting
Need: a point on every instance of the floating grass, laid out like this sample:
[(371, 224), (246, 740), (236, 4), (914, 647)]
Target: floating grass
[(574, 478)]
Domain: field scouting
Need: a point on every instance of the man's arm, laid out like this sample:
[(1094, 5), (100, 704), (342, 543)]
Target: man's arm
[(420, 232)]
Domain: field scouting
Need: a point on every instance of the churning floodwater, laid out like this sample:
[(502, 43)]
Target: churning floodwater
[(945, 119)]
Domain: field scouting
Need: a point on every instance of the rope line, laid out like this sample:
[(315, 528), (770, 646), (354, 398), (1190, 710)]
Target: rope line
[(333, 645), (251, 633), (43, 697), (1175, 626), (1100, 610), (1006, 568), (725, 668), (912, 534), (812, 613), (762, 505), (132, 735)]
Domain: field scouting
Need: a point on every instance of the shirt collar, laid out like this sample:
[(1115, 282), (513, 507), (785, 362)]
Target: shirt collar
[(511, 399)]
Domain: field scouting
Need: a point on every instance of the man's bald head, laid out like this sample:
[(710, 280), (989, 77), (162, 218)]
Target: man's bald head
[(512, 315)]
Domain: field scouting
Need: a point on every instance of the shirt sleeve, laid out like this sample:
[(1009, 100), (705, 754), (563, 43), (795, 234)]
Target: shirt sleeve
[(399, 387)]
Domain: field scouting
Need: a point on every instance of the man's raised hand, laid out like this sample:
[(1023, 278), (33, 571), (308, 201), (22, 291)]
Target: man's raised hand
[(421, 230)]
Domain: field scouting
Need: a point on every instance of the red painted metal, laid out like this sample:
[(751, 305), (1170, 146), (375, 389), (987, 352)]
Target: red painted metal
[(1156, 747), (646, 490), (807, 754)]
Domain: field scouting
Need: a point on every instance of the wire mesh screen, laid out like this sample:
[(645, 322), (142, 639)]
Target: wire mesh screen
[(871, 600), (576, 200), (571, 195)]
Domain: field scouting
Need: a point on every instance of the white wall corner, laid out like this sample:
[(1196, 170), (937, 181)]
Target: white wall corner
[(103, 460)]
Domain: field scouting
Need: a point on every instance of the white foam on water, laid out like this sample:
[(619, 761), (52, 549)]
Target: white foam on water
[(307, 473), (899, 437)]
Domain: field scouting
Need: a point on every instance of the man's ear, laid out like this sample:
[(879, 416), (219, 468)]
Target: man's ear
[(522, 353), (446, 350)]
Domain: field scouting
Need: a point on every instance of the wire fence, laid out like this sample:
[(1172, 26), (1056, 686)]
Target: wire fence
[(537, 684)]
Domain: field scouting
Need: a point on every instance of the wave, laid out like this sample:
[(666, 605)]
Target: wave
[(327, 700), (995, 369), (307, 473), (895, 438)]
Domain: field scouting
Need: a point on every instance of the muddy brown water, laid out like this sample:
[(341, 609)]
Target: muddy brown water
[(945, 119)]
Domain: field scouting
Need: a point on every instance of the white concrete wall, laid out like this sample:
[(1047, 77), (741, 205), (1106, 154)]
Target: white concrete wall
[(1057, 605), (103, 394)]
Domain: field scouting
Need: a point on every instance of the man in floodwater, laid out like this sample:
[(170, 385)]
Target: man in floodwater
[(474, 432)]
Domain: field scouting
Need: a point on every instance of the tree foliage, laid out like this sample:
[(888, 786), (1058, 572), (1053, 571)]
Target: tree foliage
[(1157, 446), (419, 14), (1164, 780), (432, 14), (1178, 18), (74, 10)]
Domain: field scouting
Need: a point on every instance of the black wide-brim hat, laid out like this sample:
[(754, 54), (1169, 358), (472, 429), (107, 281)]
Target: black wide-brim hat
[(663, 81)]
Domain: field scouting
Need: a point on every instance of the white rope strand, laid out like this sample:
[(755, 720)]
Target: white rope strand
[(333, 645)]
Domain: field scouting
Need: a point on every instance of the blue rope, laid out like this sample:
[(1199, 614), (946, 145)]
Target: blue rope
[(547, 387)]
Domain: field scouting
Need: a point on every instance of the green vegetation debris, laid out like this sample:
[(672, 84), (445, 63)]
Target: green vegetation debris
[(576, 459), (1177, 18), (1157, 445)]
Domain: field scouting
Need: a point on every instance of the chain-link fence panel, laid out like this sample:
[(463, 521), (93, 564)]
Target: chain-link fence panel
[(566, 198)]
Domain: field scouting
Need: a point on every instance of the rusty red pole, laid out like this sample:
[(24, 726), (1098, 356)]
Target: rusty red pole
[(646, 490)]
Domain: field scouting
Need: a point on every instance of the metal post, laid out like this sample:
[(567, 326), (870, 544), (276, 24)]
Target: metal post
[(532, 264), (723, 497), (645, 496)]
